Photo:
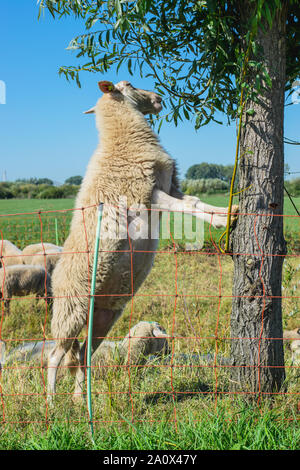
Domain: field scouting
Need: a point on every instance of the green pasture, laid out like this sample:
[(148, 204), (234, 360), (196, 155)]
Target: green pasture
[(23, 224)]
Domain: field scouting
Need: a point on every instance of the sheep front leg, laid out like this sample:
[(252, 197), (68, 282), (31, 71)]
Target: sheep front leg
[(219, 212), (217, 216)]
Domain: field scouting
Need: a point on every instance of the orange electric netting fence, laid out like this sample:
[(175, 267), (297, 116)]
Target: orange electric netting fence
[(186, 297)]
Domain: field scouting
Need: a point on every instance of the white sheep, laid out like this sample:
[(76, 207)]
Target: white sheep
[(35, 249), (10, 254), (129, 163), (50, 256), (293, 336), (295, 348), (22, 280), (144, 339)]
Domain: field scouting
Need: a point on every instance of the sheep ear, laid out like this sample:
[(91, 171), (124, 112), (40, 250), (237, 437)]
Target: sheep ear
[(158, 332), (89, 111), (106, 87)]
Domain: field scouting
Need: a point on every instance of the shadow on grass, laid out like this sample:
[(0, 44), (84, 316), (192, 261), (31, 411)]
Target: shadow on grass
[(194, 389)]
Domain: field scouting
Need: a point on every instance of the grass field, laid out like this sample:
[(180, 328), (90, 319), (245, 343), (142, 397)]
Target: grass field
[(22, 227), (157, 406)]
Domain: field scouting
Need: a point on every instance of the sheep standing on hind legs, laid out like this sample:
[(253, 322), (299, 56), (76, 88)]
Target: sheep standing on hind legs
[(128, 163)]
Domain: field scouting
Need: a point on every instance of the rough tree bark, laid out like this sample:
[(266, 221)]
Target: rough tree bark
[(258, 241)]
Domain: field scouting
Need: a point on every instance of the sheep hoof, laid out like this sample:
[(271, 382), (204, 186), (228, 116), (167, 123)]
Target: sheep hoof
[(235, 210), (234, 213)]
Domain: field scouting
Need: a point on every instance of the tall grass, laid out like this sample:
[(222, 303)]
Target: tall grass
[(246, 429)]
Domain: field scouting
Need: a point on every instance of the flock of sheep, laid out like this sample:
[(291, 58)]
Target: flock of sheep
[(129, 163), (27, 272)]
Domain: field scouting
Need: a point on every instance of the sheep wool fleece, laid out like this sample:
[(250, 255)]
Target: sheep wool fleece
[(128, 163)]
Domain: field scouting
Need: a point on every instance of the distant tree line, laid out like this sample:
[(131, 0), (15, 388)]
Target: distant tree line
[(204, 185), (210, 171), (36, 181), (207, 178), (203, 178), (39, 188), (210, 178)]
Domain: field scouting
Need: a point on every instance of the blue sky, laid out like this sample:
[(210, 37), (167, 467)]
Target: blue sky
[(43, 131)]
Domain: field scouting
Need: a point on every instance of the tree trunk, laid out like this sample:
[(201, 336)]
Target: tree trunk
[(257, 242)]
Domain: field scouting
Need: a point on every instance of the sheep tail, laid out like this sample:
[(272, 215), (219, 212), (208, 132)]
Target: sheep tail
[(71, 359)]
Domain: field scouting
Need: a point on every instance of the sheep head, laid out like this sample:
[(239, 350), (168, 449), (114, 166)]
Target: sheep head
[(147, 102), (144, 338)]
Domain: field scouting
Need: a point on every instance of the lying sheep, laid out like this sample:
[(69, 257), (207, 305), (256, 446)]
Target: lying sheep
[(294, 337), (51, 257), (144, 339), (21, 280), (129, 163), (295, 348), (26, 352), (10, 254)]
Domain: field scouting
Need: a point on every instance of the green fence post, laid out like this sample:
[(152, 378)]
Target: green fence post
[(91, 314), (56, 232)]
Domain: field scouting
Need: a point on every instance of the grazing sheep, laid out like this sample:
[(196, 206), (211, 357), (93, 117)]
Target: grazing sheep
[(145, 338), (10, 254), (30, 251), (21, 280), (52, 258), (129, 163)]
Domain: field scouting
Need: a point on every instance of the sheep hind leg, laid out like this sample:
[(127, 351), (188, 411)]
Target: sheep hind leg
[(103, 321), (54, 360)]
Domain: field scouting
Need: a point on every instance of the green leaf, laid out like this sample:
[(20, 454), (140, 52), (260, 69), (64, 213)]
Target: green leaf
[(186, 114), (267, 78), (268, 15), (77, 80), (129, 62)]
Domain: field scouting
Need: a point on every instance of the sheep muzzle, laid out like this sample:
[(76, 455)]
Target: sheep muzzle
[(147, 102)]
